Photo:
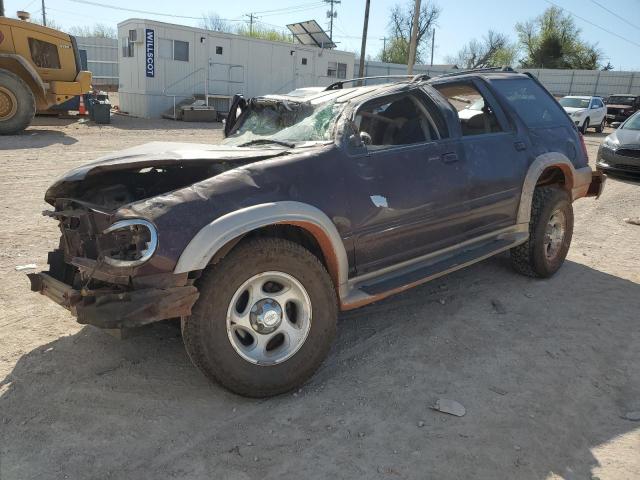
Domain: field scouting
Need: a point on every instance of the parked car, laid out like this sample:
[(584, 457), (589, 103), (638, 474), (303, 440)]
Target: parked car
[(620, 151), (585, 111), (320, 200), (621, 107)]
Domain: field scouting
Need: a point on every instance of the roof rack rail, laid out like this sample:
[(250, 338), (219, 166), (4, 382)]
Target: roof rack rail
[(413, 78), (477, 70)]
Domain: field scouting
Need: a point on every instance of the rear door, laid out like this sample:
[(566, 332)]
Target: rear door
[(496, 157), (407, 185)]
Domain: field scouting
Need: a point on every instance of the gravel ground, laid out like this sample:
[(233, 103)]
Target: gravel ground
[(547, 370)]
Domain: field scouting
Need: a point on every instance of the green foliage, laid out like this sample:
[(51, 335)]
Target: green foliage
[(552, 40), (264, 33), (493, 50), (396, 51)]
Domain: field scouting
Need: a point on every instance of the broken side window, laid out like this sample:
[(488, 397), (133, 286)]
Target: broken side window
[(476, 115)]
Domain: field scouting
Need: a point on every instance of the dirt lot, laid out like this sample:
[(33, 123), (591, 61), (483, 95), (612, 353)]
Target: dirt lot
[(546, 369)]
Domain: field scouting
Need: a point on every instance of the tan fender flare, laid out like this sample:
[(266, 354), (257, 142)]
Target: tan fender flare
[(577, 180), (214, 236)]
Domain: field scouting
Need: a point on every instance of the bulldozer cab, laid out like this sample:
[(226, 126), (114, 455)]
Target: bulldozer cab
[(39, 67)]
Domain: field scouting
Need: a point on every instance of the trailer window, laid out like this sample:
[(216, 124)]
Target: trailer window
[(337, 70), (181, 51), (44, 54)]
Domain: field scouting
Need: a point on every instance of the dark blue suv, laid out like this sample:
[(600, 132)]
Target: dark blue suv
[(320, 200)]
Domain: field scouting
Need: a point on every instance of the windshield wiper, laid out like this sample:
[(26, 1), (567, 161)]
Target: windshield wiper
[(259, 141)]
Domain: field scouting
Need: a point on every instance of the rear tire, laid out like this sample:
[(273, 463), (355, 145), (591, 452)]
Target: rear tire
[(600, 128), (17, 104), (550, 232), (228, 334)]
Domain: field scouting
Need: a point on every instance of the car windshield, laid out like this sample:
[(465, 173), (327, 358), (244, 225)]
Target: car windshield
[(633, 123), (574, 102), (621, 100), (286, 123)]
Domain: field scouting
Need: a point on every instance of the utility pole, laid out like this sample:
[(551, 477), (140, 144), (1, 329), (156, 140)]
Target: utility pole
[(433, 43), (414, 38), (44, 15), (251, 17), (363, 48), (1, 8), (384, 48), (331, 14)]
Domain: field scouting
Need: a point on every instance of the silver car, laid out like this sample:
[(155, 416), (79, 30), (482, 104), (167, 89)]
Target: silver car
[(620, 151)]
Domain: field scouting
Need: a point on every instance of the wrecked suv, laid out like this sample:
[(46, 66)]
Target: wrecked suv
[(321, 200)]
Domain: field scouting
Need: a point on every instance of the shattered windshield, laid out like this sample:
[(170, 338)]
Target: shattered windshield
[(286, 123)]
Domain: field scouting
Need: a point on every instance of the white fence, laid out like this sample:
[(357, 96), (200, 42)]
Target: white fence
[(558, 82)]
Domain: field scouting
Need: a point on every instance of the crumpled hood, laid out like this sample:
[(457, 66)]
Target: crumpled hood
[(156, 154)]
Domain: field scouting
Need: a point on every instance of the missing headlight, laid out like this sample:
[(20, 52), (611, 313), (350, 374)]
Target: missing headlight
[(128, 243)]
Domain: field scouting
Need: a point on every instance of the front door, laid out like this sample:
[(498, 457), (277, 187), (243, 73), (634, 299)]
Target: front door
[(407, 182)]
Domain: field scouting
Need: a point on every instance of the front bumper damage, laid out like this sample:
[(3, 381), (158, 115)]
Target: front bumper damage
[(117, 310), (104, 292)]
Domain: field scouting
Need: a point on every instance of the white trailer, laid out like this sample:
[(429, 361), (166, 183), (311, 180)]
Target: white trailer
[(162, 64)]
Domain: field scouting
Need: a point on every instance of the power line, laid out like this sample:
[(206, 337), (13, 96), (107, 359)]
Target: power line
[(615, 14), (295, 7), (133, 10), (593, 24)]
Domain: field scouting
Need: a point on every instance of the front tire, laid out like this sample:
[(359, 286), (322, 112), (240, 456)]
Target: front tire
[(550, 233), (600, 128), (265, 319), (585, 125), (17, 104)]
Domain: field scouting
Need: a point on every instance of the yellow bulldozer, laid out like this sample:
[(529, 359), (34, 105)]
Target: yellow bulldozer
[(39, 68)]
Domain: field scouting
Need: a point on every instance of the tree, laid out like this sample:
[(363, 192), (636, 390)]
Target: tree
[(552, 40), (400, 27), (99, 30), (493, 50), (264, 33), (212, 21), (607, 67)]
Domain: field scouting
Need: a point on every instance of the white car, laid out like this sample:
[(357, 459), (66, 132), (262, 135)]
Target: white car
[(585, 111)]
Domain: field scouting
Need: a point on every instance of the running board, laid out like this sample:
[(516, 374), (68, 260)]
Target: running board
[(377, 285)]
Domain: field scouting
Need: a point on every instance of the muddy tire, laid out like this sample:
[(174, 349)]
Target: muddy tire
[(550, 232), (265, 319), (17, 104)]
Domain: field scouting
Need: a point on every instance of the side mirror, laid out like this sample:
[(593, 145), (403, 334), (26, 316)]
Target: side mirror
[(615, 124)]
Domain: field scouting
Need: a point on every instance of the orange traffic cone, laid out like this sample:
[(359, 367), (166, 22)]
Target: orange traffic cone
[(81, 109)]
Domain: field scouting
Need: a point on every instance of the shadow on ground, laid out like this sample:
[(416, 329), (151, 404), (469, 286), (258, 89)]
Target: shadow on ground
[(544, 383), (36, 138)]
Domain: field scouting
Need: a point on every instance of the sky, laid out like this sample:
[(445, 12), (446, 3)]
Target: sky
[(459, 22)]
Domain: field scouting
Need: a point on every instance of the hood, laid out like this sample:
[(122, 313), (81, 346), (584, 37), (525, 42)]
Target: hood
[(574, 109), (182, 164), (626, 137), (158, 154)]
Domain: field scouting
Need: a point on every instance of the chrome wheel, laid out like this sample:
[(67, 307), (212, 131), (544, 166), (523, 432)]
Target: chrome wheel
[(554, 234), (269, 318)]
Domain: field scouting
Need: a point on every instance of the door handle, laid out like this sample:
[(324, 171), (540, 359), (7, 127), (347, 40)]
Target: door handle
[(520, 146), (449, 157)]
